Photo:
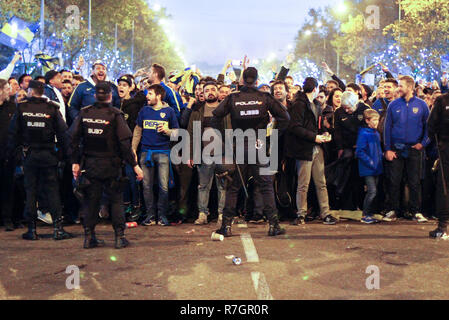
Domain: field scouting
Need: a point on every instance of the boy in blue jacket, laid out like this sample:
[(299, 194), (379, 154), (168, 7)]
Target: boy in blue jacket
[(369, 153)]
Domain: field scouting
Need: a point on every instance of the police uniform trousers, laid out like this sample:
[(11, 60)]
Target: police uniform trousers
[(40, 172), (264, 183), (102, 174), (442, 200)]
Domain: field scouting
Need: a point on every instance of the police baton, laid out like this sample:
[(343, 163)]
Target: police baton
[(239, 171), (441, 167)]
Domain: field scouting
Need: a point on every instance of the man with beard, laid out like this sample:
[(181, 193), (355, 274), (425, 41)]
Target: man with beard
[(154, 126), (405, 137), (84, 94), (206, 172), (66, 91)]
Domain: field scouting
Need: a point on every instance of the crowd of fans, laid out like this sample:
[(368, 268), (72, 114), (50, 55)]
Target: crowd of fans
[(348, 147)]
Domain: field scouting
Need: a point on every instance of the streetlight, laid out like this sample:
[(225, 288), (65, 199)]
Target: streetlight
[(341, 7), (157, 7)]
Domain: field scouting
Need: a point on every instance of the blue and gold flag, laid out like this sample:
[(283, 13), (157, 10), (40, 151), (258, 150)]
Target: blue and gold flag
[(17, 33), (48, 63)]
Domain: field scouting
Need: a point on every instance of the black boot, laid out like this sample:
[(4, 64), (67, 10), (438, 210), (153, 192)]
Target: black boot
[(59, 232), (225, 229), (120, 240), (31, 234), (90, 239), (276, 230)]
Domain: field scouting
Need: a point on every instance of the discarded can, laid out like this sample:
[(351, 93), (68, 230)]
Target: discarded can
[(216, 237), (131, 224), (237, 261)]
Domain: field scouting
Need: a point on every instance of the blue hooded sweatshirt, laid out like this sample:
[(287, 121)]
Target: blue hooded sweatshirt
[(369, 152)]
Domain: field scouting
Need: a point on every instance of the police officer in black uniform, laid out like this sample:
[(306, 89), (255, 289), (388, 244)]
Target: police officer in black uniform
[(249, 110), (34, 126), (101, 139), (438, 128)]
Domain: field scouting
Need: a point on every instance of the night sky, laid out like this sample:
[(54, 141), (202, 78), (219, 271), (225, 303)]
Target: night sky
[(211, 31)]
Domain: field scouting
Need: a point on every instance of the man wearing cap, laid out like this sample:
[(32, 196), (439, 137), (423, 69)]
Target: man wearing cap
[(131, 107), (84, 94), (106, 141), (34, 126), (251, 109)]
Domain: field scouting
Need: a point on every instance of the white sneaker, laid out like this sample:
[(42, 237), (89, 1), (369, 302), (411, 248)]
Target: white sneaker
[(420, 218), (202, 218), (46, 218), (390, 216)]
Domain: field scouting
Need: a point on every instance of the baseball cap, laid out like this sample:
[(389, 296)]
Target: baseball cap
[(103, 87), (127, 79)]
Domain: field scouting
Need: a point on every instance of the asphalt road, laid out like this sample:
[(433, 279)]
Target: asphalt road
[(312, 261)]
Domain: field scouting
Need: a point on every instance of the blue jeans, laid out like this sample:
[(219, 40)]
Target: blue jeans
[(206, 172), (371, 184), (131, 193), (160, 161)]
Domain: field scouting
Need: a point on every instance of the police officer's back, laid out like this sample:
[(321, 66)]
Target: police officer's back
[(249, 109), (35, 126), (101, 139)]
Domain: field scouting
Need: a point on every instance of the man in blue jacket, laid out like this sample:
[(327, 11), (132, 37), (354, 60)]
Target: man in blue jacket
[(84, 94), (405, 137), (172, 98)]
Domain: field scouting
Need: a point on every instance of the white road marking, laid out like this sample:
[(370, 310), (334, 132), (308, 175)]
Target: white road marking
[(259, 281), (261, 286), (250, 249)]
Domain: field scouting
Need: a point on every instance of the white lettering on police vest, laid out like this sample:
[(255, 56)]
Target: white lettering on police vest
[(249, 103), (36, 115), (36, 124), (249, 113), (98, 121), (95, 131)]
